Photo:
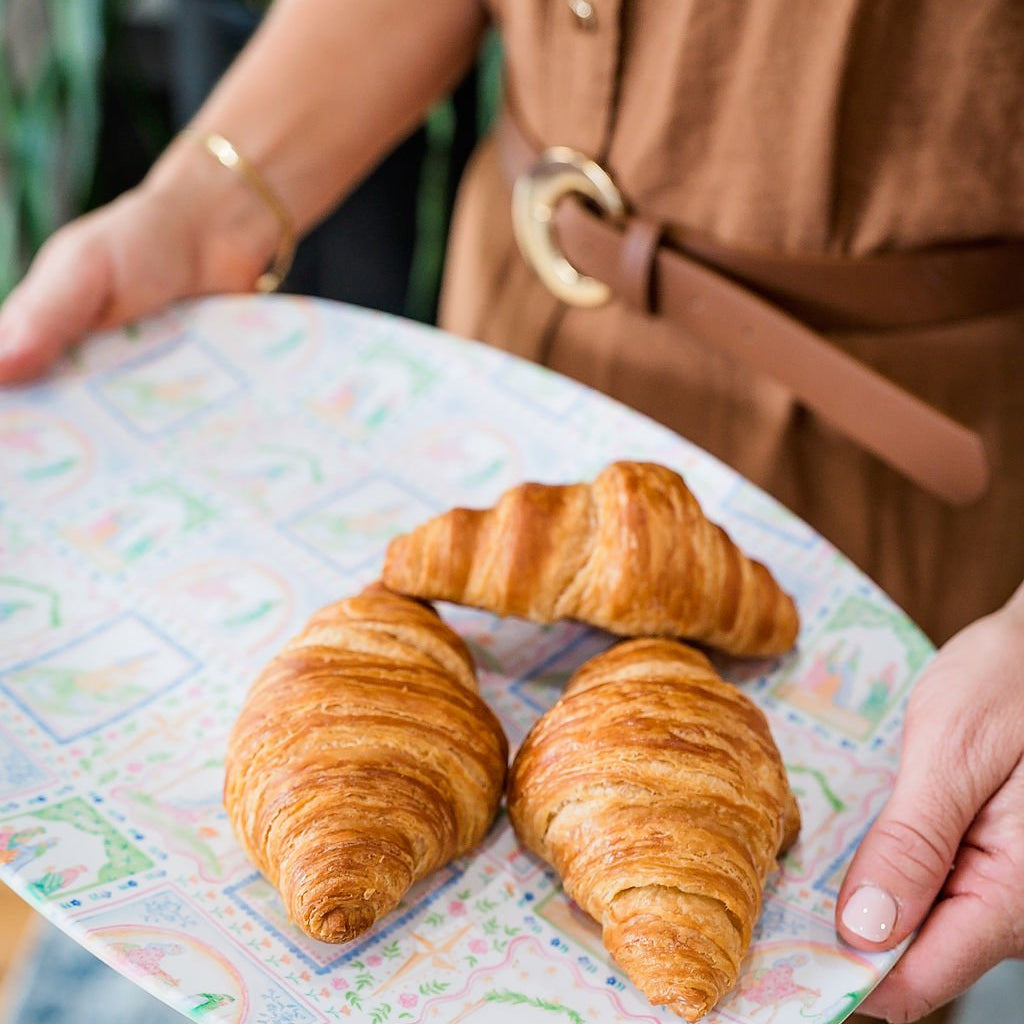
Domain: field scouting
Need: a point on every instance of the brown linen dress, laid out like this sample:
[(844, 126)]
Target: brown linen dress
[(790, 127)]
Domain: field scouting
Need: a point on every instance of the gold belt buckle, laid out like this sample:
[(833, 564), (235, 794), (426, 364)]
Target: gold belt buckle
[(559, 172)]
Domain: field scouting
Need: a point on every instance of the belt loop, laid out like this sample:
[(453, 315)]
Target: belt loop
[(636, 264)]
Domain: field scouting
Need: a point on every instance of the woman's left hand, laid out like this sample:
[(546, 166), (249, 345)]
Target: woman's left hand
[(946, 854)]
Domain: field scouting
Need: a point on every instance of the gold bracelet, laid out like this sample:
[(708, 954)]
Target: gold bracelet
[(227, 156)]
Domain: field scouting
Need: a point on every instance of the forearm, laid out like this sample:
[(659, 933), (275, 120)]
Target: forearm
[(324, 89)]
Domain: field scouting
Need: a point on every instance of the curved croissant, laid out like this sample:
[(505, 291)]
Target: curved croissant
[(631, 553), (362, 760), (657, 792)]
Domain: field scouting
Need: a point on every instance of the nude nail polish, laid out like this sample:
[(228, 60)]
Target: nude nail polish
[(870, 913)]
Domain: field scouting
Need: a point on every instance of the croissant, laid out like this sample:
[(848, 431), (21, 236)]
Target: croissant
[(631, 553), (656, 791), (363, 759)]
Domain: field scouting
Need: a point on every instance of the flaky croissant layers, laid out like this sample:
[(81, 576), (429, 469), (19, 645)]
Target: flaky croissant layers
[(657, 792), (363, 760), (631, 553)]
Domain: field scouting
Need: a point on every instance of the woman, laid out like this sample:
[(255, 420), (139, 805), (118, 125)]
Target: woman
[(858, 163)]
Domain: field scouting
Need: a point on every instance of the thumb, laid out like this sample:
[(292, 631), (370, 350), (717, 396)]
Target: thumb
[(905, 857)]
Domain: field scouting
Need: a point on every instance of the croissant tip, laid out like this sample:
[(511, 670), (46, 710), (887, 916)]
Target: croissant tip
[(691, 1004), (340, 922), (688, 1012), (336, 820)]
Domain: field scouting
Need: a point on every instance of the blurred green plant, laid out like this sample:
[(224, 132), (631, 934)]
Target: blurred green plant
[(51, 76), (50, 68)]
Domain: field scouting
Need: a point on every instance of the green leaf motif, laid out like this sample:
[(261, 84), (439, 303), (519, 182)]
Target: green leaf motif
[(433, 988), (521, 999), (857, 611), (380, 1013)]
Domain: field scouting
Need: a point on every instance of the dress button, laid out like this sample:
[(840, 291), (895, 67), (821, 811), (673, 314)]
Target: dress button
[(584, 13)]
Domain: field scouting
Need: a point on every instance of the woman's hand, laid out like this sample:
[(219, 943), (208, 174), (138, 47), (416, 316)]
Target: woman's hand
[(317, 97), (946, 855), (127, 259), (92, 273)]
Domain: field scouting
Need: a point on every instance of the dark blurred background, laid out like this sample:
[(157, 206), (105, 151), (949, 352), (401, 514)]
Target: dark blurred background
[(92, 90)]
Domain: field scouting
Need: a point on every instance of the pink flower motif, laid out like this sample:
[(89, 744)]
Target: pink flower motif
[(456, 907), (374, 960), (478, 946), (339, 983), (408, 999)]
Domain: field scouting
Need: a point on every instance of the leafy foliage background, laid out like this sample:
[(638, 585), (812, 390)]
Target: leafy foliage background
[(50, 114), (59, 99)]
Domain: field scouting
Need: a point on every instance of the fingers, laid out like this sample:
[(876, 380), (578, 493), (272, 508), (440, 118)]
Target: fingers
[(23, 355), (61, 299), (904, 859), (961, 940), (958, 797), (953, 760)]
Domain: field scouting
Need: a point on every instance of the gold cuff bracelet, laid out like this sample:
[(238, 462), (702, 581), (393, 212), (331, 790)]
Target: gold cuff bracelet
[(227, 156)]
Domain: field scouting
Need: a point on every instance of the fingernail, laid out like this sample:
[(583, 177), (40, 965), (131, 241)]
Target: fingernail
[(870, 913)]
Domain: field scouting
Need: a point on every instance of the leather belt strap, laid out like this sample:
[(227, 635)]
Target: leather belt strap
[(941, 455)]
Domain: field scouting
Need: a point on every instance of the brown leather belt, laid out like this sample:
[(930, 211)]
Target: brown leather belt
[(706, 290)]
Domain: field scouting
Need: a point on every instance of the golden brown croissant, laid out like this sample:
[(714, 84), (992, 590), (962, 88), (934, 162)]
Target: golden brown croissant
[(657, 792), (362, 760), (632, 553)]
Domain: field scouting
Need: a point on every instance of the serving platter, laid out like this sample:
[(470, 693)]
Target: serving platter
[(178, 499)]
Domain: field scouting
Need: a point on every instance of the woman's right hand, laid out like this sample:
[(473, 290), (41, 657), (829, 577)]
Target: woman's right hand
[(318, 96), (150, 246)]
